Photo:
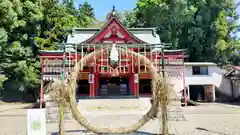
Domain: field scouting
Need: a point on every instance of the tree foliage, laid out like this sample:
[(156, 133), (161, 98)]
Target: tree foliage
[(205, 28), (27, 26)]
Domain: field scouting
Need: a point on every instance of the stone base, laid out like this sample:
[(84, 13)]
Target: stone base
[(52, 112), (174, 111)]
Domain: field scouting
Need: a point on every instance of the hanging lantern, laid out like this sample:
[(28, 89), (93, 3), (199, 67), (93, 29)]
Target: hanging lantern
[(114, 56)]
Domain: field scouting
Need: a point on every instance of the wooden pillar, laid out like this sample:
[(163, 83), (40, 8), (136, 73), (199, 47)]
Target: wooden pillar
[(213, 93)]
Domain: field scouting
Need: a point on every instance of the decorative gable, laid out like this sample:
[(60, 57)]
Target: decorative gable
[(113, 32)]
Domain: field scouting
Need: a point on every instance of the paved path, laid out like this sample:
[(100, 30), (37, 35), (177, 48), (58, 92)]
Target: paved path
[(207, 119)]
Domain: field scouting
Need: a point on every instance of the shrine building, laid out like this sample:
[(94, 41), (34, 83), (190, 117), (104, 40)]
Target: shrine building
[(112, 72)]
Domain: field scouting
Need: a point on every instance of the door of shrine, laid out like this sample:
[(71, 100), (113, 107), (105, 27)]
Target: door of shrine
[(114, 86)]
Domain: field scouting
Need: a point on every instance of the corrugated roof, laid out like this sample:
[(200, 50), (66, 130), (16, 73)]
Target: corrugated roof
[(148, 38), (78, 38), (200, 64)]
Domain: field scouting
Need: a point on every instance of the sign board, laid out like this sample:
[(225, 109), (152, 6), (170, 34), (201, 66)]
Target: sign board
[(91, 78), (36, 122), (136, 78)]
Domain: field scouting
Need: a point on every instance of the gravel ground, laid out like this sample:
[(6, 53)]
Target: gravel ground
[(207, 119)]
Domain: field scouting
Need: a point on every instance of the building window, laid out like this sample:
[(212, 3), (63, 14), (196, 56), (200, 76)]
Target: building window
[(200, 70)]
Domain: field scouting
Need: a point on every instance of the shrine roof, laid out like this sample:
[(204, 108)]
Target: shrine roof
[(113, 31), (147, 35)]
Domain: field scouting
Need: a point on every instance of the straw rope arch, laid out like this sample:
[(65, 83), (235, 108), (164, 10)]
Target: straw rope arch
[(160, 96)]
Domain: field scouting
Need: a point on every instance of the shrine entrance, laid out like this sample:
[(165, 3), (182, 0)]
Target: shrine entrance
[(116, 60), (117, 70), (114, 86)]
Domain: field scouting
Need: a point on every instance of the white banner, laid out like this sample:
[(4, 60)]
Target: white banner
[(91, 78), (36, 122), (136, 78)]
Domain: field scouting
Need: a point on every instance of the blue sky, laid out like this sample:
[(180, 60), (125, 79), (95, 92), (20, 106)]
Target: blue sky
[(238, 9), (102, 7)]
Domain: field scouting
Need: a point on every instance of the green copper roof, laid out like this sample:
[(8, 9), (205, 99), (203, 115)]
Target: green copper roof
[(147, 35)]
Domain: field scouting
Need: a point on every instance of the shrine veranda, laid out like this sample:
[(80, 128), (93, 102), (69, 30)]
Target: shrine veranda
[(113, 72)]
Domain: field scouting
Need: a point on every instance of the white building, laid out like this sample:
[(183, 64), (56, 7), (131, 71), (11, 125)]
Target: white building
[(206, 81)]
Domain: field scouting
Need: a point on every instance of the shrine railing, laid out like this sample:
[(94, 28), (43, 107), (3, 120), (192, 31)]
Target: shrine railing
[(173, 60)]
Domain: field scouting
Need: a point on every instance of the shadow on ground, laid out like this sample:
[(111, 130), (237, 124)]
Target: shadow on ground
[(88, 133), (13, 115), (231, 103), (210, 131), (16, 108)]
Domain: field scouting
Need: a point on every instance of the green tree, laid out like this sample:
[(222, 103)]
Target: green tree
[(85, 14), (203, 27), (55, 26), (27, 27), (18, 19)]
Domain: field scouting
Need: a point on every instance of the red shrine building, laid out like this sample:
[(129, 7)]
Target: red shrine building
[(102, 78)]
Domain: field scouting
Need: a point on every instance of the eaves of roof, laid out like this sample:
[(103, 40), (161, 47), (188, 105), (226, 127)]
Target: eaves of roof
[(130, 29)]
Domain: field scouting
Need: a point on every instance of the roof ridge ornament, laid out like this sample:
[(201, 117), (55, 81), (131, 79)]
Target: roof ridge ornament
[(113, 11)]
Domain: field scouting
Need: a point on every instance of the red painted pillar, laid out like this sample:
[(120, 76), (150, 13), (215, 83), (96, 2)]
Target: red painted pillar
[(134, 85), (131, 83), (41, 89), (91, 89), (136, 81), (96, 82)]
